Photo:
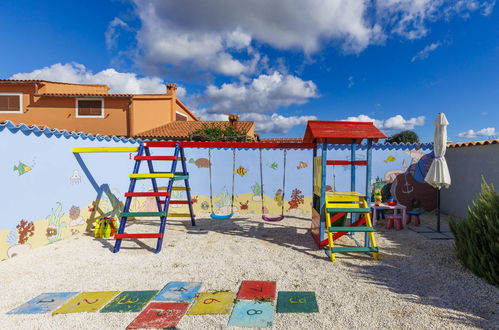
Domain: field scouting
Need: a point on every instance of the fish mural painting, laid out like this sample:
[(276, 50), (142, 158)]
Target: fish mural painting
[(22, 168), (390, 159), (241, 171), (301, 165), (200, 162), (273, 166)]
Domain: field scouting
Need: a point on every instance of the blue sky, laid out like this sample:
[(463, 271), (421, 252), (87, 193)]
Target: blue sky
[(397, 63)]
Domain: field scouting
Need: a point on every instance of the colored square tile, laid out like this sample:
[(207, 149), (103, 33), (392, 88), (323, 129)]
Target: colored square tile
[(44, 303), (252, 314), (178, 291), (296, 302), (212, 303), (86, 302), (257, 290), (160, 315), (129, 301)]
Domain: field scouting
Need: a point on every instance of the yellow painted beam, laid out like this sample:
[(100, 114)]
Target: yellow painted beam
[(105, 149), (174, 188), (150, 175), (179, 215)]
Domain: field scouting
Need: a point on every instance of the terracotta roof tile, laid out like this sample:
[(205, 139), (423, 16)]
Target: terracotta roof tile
[(22, 81), (283, 140), (84, 95), (183, 129), (473, 143)]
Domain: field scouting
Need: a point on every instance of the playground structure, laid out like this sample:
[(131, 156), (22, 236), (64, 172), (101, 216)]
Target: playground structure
[(327, 208), (330, 207)]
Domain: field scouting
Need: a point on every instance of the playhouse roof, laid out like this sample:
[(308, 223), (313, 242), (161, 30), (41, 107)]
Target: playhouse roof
[(341, 132)]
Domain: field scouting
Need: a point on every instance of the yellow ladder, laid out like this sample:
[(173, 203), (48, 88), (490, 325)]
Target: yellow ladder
[(338, 204)]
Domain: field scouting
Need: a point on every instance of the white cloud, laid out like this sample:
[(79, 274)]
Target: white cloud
[(351, 83), (425, 52), (410, 18), (276, 123), (118, 82), (394, 123), (273, 123), (484, 132), (220, 37), (264, 93), (112, 31)]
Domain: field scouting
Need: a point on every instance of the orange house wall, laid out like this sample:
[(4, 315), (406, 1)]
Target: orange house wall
[(59, 88), (60, 113), (150, 112)]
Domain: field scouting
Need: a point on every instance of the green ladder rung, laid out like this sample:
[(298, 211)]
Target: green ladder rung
[(351, 229), (142, 214), (341, 249), (180, 177), (349, 210)]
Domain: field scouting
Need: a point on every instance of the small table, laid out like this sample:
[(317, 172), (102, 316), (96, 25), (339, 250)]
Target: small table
[(395, 209)]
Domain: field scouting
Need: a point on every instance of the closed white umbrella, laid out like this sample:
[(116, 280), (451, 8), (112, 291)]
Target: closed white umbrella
[(438, 175)]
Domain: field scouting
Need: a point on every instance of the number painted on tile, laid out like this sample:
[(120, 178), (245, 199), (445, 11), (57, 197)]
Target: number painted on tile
[(257, 289), (299, 301), (181, 289), (210, 300), (88, 302), (254, 311), (45, 301)]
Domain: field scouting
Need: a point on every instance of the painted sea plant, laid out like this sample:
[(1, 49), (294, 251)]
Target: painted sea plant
[(55, 225)]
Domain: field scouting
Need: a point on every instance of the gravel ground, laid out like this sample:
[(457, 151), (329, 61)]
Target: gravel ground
[(418, 283)]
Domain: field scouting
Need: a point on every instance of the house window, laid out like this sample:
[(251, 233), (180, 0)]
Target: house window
[(180, 116), (11, 103), (90, 108)]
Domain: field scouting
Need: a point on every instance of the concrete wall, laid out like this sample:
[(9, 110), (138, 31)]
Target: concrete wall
[(467, 165), (49, 193)]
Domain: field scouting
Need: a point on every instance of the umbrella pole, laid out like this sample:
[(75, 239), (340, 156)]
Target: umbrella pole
[(438, 211)]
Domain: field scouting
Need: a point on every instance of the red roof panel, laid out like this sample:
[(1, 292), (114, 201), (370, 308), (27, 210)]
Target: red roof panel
[(341, 132)]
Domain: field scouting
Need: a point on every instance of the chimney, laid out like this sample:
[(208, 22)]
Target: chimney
[(171, 89), (234, 120)]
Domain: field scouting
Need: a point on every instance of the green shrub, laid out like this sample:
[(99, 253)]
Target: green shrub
[(219, 134), (477, 235)]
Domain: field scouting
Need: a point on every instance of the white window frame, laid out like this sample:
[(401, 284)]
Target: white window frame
[(184, 115), (90, 99), (20, 103)]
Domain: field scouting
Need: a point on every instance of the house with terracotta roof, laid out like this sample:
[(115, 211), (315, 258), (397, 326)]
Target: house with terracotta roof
[(182, 130), (89, 108)]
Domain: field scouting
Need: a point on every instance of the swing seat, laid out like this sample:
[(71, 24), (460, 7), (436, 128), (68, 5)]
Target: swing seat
[(221, 217), (276, 219)]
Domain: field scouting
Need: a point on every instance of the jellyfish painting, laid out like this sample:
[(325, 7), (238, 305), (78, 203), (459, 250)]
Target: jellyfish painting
[(75, 178)]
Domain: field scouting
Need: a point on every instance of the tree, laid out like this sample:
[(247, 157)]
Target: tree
[(219, 134), (403, 137)]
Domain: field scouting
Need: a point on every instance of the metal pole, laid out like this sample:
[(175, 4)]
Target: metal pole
[(438, 211)]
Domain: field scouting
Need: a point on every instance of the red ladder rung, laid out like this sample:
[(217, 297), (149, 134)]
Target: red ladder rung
[(155, 157), (151, 235), (147, 194), (176, 202)]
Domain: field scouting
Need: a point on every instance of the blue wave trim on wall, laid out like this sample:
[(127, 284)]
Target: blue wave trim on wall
[(27, 130)]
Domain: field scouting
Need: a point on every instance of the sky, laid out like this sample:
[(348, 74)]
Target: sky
[(397, 63)]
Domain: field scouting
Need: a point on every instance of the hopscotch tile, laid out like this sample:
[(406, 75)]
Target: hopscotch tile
[(296, 302), (257, 290), (160, 315), (252, 314), (212, 303), (129, 301), (178, 291), (86, 302), (44, 303)]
